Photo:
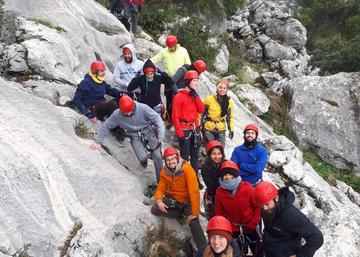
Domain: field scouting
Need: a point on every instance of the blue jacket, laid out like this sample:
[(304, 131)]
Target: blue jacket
[(251, 162), (89, 93)]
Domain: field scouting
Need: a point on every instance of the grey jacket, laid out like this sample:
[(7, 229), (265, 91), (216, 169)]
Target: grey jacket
[(142, 118)]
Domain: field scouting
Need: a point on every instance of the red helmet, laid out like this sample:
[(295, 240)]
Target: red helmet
[(191, 74), (97, 66), (169, 151), (171, 41), (126, 105), (229, 165), (251, 127), (200, 66), (223, 81), (264, 192), (212, 144), (219, 225)]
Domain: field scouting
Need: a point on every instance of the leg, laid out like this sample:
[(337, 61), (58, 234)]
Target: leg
[(127, 11), (194, 152), (105, 109), (169, 98), (152, 141), (171, 212), (139, 148), (158, 162), (254, 243), (208, 136), (134, 20), (185, 146), (221, 137), (196, 230)]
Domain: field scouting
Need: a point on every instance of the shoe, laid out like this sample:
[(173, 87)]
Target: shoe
[(200, 185), (144, 164), (119, 133), (147, 201)]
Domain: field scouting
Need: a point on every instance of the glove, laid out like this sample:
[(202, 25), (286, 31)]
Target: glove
[(193, 93), (231, 134)]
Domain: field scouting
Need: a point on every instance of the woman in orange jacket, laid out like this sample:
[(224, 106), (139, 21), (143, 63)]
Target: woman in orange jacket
[(178, 194)]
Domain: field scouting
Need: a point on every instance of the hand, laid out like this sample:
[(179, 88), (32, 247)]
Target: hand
[(231, 134), (95, 147), (93, 120), (191, 217), (162, 206), (193, 93), (293, 255)]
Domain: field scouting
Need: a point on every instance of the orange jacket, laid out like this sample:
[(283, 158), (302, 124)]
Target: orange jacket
[(182, 186)]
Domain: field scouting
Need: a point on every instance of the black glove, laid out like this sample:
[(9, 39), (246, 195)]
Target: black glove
[(231, 134), (193, 93)]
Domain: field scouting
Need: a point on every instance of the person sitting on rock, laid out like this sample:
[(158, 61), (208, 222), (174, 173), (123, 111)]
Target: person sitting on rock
[(235, 201), (89, 96), (250, 157), (218, 114), (173, 57), (144, 127), (178, 194), (187, 106), (285, 226), (199, 66), (210, 172), (221, 244), (127, 69), (150, 87)]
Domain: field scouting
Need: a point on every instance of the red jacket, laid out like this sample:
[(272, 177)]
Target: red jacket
[(139, 2), (240, 208), (185, 111)]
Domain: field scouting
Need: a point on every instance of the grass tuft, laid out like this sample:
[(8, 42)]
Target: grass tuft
[(63, 250), (48, 24), (81, 130)]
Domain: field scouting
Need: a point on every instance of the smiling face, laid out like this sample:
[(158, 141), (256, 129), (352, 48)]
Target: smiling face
[(193, 83), (149, 75), (216, 155), (218, 243), (250, 135), (171, 162), (222, 89)]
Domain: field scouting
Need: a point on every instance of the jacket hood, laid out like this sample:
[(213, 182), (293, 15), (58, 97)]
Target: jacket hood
[(184, 91), (149, 64), (132, 50), (286, 198)]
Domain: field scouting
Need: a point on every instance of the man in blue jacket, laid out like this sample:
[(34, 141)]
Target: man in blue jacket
[(250, 157)]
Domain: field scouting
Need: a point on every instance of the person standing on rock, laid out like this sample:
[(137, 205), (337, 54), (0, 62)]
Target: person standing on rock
[(89, 96), (172, 57), (234, 200), (150, 87), (144, 127), (178, 194), (127, 69), (250, 157), (132, 8), (218, 114), (199, 66), (187, 107), (285, 226)]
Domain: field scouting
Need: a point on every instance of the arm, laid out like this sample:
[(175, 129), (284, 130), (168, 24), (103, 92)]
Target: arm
[(80, 93), (258, 167), (193, 189), (200, 107), (234, 156), (218, 206), (112, 91), (209, 182), (157, 58), (161, 188), (110, 123), (175, 116), (179, 74), (255, 219), (169, 83), (230, 116), (187, 57), (117, 78)]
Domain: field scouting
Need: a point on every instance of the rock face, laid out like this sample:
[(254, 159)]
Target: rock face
[(325, 115), (221, 63)]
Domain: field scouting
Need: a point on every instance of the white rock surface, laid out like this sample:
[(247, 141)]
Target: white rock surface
[(253, 98), (221, 63)]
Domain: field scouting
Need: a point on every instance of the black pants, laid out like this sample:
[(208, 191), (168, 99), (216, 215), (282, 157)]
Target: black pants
[(104, 109), (169, 99), (251, 240), (177, 212), (189, 149)]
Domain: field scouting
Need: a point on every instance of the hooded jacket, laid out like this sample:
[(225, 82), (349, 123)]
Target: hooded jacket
[(150, 90), (212, 113), (210, 174), (185, 111), (283, 234), (89, 93), (172, 60), (239, 208), (124, 72)]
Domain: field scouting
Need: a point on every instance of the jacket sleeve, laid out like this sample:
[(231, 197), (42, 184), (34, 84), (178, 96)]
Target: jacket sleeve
[(193, 188), (112, 91), (158, 58), (234, 157), (299, 224), (199, 105), (161, 188), (187, 57), (80, 93), (169, 83), (134, 84), (154, 117), (209, 182), (179, 74), (255, 219), (258, 167), (110, 123), (116, 76), (175, 116), (219, 210), (230, 116)]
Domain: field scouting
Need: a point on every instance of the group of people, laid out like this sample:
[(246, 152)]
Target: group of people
[(236, 198)]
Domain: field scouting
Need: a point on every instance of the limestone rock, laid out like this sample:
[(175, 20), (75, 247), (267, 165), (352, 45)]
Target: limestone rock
[(269, 78), (14, 59), (255, 53), (221, 63), (253, 98), (274, 51), (248, 75)]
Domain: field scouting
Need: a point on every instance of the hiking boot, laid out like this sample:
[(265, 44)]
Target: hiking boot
[(147, 201), (144, 164)]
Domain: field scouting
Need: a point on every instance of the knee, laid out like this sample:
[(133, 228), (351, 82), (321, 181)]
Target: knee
[(155, 210)]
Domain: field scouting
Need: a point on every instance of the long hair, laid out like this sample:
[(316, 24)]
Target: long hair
[(228, 252)]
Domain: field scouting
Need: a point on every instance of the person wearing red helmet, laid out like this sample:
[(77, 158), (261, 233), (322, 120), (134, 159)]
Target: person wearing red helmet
[(218, 114), (199, 66), (234, 200), (285, 225), (132, 9), (143, 126), (219, 232), (251, 157), (178, 194), (89, 96), (210, 172), (187, 106)]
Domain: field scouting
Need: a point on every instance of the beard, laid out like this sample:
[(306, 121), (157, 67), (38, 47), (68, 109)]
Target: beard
[(268, 215), (128, 59), (249, 141)]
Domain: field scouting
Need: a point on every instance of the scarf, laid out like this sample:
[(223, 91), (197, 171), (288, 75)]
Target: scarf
[(97, 79), (230, 185), (224, 104)]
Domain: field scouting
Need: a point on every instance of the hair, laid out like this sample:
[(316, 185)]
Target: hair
[(228, 252), (221, 149)]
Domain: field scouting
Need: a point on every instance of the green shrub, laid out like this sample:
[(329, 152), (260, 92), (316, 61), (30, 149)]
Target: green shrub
[(48, 24), (103, 2), (64, 249), (329, 172), (82, 130)]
